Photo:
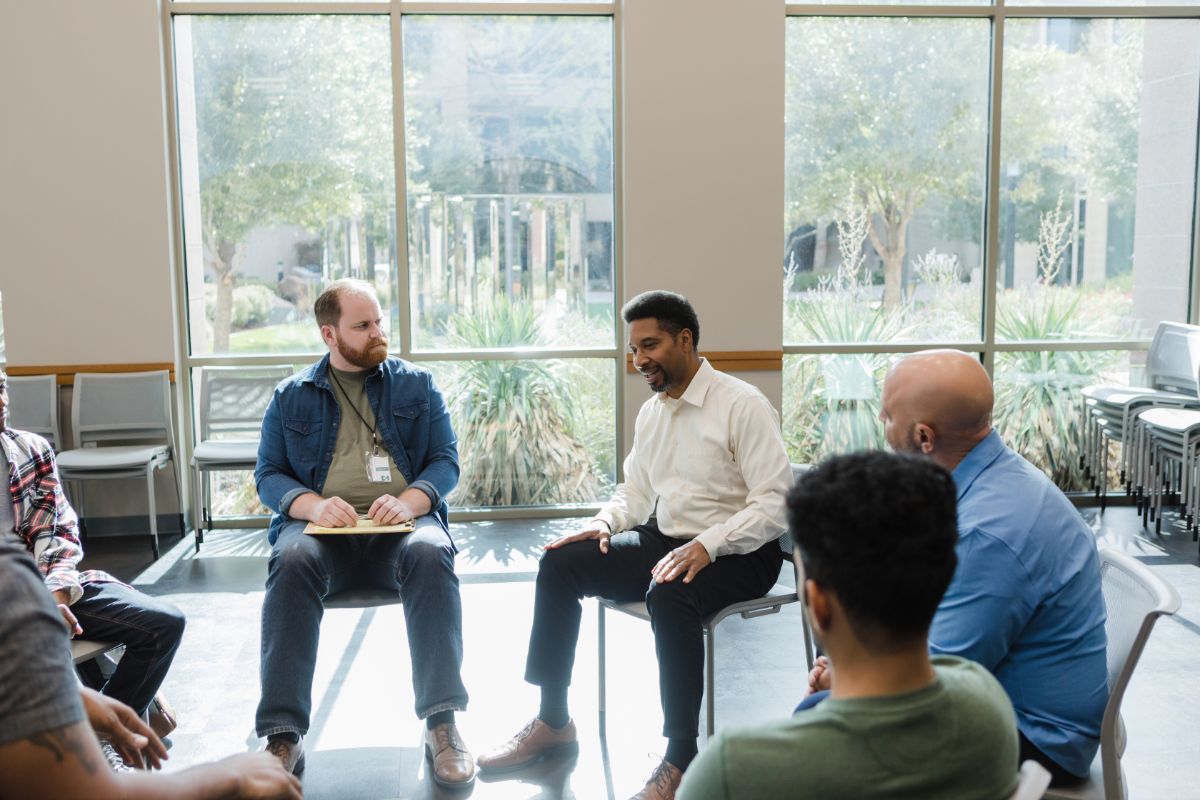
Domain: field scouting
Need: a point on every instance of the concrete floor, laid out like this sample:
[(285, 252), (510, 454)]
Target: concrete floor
[(365, 742)]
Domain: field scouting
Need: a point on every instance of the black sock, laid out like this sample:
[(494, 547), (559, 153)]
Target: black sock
[(439, 718), (680, 752), (553, 711), (290, 736)]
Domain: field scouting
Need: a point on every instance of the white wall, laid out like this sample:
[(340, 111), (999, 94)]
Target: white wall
[(83, 184)]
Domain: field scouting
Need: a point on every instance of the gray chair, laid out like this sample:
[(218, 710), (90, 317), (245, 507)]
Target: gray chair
[(33, 406), (771, 603), (1135, 598), (125, 407), (1173, 374), (232, 403), (1032, 781)]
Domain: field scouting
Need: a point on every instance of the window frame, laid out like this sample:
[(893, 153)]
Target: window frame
[(403, 347)]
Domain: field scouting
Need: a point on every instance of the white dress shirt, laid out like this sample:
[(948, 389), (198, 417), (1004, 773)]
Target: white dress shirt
[(714, 460)]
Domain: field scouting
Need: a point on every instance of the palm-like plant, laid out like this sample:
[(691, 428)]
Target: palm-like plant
[(1037, 393), (516, 420)]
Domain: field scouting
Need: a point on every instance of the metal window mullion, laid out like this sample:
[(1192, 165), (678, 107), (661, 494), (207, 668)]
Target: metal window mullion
[(185, 433), (283, 9), (510, 9), (400, 165), (1194, 293), (618, 245), (864, 348), (999, 10), (992, 204)]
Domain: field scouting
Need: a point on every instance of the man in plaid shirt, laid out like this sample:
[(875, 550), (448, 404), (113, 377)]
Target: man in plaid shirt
[(93, 603)]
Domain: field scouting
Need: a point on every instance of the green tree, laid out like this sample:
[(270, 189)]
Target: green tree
[(891, 110), (293, 125)]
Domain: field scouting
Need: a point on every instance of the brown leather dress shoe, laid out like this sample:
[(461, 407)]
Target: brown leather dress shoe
[(662, 783), (536, 740), (289, 752), (451, 764)]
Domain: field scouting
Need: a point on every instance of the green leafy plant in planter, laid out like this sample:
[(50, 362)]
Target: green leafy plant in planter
[(516, 420), (831, 402)]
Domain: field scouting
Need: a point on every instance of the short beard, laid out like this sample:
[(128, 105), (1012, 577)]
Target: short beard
[(367, 358)]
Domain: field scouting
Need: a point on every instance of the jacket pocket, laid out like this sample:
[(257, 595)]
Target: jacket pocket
[(303, 439)]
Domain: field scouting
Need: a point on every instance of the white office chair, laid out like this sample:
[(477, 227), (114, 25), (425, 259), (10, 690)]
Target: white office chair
[(1135, 598), (33, 406), (1032, 782), (232, 403), (126, 407), (771, 603)]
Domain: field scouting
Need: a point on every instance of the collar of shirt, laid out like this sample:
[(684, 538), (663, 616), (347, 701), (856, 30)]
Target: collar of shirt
[(696, 391), (980, 457)]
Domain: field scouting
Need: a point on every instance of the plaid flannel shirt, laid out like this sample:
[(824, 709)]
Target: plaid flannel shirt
[(45, 520)]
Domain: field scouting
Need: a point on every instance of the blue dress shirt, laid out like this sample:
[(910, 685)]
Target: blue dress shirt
[(1025, 601)]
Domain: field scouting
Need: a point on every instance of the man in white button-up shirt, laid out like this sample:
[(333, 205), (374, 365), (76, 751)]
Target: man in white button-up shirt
[(693, 528)]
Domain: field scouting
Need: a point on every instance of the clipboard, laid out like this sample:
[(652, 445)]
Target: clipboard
[(364, 526)]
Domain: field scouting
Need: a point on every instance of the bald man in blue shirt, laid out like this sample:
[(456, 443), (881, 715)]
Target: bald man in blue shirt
[(1025, 601)]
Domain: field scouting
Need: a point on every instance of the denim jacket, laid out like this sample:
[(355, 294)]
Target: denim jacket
[(300, 428)]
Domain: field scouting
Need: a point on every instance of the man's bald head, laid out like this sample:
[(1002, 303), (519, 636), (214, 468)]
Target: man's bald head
[(939, 403)]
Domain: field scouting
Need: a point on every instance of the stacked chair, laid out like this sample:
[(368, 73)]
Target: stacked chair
[(1113, 414)]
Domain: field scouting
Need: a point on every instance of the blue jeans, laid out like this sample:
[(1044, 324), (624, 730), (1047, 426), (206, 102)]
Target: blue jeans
[(150, 629), (304, 570)]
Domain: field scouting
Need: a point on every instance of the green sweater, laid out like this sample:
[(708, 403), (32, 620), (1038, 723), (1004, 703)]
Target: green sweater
[(955, 739)]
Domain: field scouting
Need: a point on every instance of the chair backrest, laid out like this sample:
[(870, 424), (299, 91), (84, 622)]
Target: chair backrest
[(33, 405), (1173, 363), (234, 399), (1032, 781), (121, 407), (1134, 598)]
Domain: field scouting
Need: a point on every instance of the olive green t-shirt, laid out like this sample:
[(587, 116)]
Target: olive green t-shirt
[(955, 739), (347, 476)]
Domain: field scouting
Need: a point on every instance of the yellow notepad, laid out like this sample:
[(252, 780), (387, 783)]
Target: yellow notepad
[(365, 525)]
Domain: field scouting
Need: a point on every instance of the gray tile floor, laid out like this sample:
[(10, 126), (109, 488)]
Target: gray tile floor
[(366, 741)]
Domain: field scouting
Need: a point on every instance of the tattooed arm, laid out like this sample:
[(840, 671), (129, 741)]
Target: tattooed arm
[(67, 762)]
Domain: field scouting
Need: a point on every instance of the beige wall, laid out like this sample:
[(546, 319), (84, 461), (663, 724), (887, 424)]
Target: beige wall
[(702, 133), (85, 274)]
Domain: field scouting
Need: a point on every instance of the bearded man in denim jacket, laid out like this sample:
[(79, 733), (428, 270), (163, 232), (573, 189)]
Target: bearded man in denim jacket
[(360, 433)]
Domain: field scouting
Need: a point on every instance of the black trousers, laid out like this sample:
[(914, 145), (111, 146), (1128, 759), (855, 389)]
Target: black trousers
[(568, 574), (1059, 777)]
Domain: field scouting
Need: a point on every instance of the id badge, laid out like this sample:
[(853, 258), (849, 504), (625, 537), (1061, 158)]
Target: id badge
[(378, 470)]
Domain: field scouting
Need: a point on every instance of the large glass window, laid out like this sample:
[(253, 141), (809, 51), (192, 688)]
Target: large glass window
[(289, 127), (886, 235), (287, 171), (509, 124), (886, 125), (1098, 152)]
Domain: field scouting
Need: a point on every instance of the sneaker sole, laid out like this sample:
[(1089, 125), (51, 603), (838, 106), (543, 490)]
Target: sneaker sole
[(554, 751), (299, 768), (445, 784)]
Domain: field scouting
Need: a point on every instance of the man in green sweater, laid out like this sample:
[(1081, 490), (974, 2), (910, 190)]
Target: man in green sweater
[(875, 533)]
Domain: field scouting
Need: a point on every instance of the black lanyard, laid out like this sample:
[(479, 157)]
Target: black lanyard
[(354, 408)]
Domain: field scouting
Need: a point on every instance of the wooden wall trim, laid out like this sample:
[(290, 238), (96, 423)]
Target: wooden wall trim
[(734, 360), (66, 372)]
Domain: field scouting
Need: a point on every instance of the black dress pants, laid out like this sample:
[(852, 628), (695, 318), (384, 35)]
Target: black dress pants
[(568, 574)]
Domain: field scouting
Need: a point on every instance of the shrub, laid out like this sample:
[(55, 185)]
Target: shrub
[(516, 420)]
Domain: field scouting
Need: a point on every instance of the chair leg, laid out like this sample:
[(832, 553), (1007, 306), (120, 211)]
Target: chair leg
[(710, 650), (153, 511), (178, 491), (600, 668)]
